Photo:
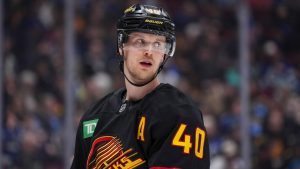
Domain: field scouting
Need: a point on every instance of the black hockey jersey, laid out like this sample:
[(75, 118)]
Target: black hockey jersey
[(164, 130)]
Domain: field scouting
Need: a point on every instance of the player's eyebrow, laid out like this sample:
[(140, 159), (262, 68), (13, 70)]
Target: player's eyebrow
[(161, 39), (158, 38)]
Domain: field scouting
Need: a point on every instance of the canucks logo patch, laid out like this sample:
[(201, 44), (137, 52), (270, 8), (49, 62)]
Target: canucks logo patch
[(89, 128), (107, 153)]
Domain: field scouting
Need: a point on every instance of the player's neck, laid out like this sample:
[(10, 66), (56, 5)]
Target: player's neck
[(137, 93)]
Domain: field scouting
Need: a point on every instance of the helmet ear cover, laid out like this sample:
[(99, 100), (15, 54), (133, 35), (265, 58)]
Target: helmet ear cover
[(122, 38)]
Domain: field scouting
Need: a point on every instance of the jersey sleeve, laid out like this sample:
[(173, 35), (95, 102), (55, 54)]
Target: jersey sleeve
[(82, 145), (80, 151), (179, 139), (77, 162)]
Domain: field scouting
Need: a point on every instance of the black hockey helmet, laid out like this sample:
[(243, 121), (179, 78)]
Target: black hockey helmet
[(148, 19)]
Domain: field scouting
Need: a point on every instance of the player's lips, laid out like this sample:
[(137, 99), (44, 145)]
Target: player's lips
[(146, 63)]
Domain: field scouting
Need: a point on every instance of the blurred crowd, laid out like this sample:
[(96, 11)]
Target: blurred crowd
[(205, 66)]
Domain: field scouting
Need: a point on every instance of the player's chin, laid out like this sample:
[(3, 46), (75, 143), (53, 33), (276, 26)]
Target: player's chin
[(145, 77)]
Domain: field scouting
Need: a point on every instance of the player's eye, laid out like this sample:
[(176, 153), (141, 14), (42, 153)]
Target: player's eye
[(139, 43), (161, 46), (157, 44)]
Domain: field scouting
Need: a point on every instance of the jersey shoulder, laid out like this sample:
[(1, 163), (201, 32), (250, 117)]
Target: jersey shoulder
[(108, 103), (167, 93), (169, 103)]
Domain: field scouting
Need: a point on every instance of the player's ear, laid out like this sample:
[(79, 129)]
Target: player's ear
[(121, 51)]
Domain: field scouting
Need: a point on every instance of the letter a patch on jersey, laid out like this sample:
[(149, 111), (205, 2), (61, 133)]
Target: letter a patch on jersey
[(89, 128), (141, 129)]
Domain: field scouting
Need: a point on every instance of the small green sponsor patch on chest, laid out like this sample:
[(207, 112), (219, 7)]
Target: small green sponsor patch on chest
[(89, 128)]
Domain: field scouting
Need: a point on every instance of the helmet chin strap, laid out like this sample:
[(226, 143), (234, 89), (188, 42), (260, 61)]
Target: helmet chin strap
[(145, 83)]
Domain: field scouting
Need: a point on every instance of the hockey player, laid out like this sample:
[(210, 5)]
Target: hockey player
[(147, 124)]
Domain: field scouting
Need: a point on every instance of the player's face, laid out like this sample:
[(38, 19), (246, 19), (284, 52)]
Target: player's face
[(143, 54)]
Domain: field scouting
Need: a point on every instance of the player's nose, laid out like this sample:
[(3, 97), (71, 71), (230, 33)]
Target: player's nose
[(148, 51)]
